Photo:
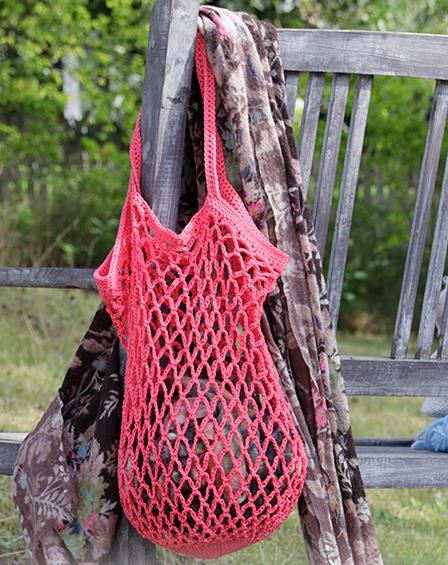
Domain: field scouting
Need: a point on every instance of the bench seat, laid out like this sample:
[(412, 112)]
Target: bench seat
[(385, 462)]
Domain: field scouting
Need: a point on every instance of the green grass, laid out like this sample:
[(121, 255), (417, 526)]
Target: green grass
[(39, 332)]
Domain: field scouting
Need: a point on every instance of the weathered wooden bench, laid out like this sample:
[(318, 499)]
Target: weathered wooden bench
[(316, 53)]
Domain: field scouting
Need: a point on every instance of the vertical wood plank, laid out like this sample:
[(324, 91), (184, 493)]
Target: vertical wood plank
[(347, 193), (170, 59), (292, 84), (169, 66), (120, 554), (420, 222), (434, 276), (329, 158), (308, 126), (442, 351), (129, 547)]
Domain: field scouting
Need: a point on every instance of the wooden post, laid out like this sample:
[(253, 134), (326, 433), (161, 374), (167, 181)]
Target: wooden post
[(169, 66)]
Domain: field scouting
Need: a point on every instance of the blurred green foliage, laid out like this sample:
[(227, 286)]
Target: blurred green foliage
[(62, 184)]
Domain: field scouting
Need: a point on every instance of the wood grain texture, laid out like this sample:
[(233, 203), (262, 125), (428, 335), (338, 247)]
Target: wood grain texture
[(402, 467), (435, 275), (389, 465), (168, 72), (347, 194), (365, 52), (48, 278), (166, 92), (442, 350), (309, 124), (130, 548), (329, 158), (9, 448), (292, 83), (420, 222), (140, 551), (374, 376)]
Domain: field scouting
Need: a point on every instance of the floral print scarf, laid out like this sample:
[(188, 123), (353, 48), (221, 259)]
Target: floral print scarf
[(65, 486), (81, 427)]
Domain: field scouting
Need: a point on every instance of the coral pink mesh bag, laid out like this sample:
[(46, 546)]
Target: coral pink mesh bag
[(210, 460)]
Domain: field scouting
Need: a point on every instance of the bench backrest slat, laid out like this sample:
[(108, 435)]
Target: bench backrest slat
[(168, 72), (345, 53), (292, 84), (435, 275), (365, 52), (442, 350), (420, 222), (347, 193), (309, 124), (329, 157)]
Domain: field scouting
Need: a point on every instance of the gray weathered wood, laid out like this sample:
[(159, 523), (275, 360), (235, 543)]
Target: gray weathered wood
[(347, 194), (168, 71), (329, 158), (442, 350), (420, 223), (48, 278), (435, 275), (375, 376), (402, 467), (166, 92), (131, 549), (9, 448), (390, 465), (292, 83), (308, 126), (365, 52)]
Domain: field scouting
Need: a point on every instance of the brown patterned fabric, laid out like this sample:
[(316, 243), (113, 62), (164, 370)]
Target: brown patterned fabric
[(73, 449), (65, 480), (261, 154)]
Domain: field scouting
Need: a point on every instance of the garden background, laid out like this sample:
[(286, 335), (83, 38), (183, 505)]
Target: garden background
[(71, 75)]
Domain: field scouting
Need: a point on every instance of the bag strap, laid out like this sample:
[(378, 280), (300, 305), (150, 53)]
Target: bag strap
[(218, 185), (215, 176)]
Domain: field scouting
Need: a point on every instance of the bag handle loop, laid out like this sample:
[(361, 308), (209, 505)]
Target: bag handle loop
[(213, 156)]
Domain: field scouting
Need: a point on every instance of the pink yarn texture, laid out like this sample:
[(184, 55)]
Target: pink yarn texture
[(210, 460)]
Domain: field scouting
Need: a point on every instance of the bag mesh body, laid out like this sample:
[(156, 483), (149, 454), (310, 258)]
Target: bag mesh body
[(210, 460)]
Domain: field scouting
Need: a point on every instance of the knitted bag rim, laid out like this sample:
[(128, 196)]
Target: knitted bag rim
[(220, 193)]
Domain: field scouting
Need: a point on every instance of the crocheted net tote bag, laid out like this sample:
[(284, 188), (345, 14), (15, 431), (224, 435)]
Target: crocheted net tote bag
[(210, 460)]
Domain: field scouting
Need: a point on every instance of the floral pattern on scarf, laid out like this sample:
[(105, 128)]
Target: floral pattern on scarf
[(65, 484), (257, 134)]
